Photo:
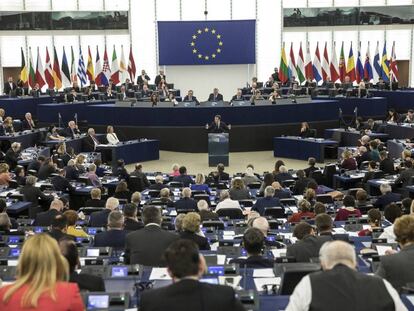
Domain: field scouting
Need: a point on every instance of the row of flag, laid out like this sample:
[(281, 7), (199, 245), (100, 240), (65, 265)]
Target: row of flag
[(57, 76), (322, 69)]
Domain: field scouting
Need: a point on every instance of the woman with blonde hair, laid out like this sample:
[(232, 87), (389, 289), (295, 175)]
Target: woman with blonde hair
[(111, 136), (191, 230), (41, 283), (175, 170), (5, 177), (200, 184)]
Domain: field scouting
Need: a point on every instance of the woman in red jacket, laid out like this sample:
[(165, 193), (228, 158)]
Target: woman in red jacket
[(304, 211), (41, 284)]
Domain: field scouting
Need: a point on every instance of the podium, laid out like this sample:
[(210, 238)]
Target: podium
[(218, 149)]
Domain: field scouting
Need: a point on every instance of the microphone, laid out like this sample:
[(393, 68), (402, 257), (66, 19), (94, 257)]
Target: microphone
[(356, 110), (340, 111), (76, 118)]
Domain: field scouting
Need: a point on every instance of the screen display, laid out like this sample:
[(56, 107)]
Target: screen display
[(38, 229), (92, 252), (216, 270), (119, 271), (210, 280), (98, 301), (14, 239), (92, 231), (270, 238), (14, 252)]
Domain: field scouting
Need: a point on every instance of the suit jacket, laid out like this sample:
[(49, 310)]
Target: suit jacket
[(132, 225), (398, 269), (307, 248), (158, 79), (201, 241), (140, 80), (192, 295), (193, 99), (27, 126), (186, 204), (44, 219), (88, 144), (7, 87), (139, 251), (60, 183), (405, 177), (387, 166), (281, 177), (95, 203), (217, 98), (69, 133), (184, 179), (45, 171), (110, 238), (34, 165), (385, 199), (208, 215), (235, 97), (71, 172), (99, 219), (143, 177), (32, 194), (157, 186), (11, 158), (89, 282), (301, 185), (262, 203), (309, 170), (218, 128)]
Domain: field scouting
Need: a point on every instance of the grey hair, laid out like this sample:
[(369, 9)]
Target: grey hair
[(269, 191), (115, 219), (337, 252)]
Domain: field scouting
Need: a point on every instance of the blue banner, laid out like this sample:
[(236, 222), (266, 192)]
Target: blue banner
[(207, 42)]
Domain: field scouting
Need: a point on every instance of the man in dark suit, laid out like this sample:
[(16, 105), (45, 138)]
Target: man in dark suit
[(60, 183), (138, 173), (386, 164), (88, 282), (267, 201), (58, 229), (28, 123), (398, 268), (387, 197), (9, 86), (217, 126), (33, 194), (186, 202), (131, 222), (219, 175), (311, 168), (72, 131), (238, 96), (137, 248), (280, 192), (159, 183), (12, 155), (36, 163), (159, 77), (254, 243), (406, 175), (95, 200), (115, 234), (90, 142), (45, 218), (215, 96), (143, 78), (204, 211), (183, 177), (100, 219), (72, 172), (308, 244), (301, 183), (190, 97), (275, 75), (186, 266)]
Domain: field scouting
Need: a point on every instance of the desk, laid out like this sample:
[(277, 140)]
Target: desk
[(396, 131), (26, 138), (399, 100), (75, 143), (17, 107), (374, 184), (133, 151), (346, 181), (18, 207), (351, 138), (301, 148), (396, 147)]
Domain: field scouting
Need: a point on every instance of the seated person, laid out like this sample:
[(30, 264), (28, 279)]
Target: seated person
[(93, 179), (374, 153), (186, 202), (254, 244), (36, 163), (308, 244), (100, 218), (72, 131), (219, 175), (274, 96), (95, 200), (348, 162), (58, 228), (28, 123), (175, 170), (238, 190), (409, 117), (324, 224), (361, 198), (374, 222), (71, 97), (215, 96), (86, 282), (268, 180), (267, 201), (131, 222), (348, 209), (386, 197), (20, 175), (283, 175), (305, 130), (13, 155), (111, 136), (8, 125), (311, 168), (73, 230), (183, 177), (115, 234), (190, 97), (392, 116), (190, 229), (72, 172), (280, 192), (238, 96), (398, 268), (205, 212), (140, 174), (406, 175), (45, 219), (159, 183), (301, 183), (200, 184), (164, 198), (122, 192), (391, 213), (372, 166), (249, 176), (60, 183), (303, 211), (226, 202), (256, 96), (386, 164), (186, 266)]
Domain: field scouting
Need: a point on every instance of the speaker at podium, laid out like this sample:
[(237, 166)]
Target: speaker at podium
[(218, 142)]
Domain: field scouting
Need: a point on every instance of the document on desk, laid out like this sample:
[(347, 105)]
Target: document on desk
[(159, 274), (381, 249), (411, 299), (221, 259), (280, 252), (263, 273), (260, 282)]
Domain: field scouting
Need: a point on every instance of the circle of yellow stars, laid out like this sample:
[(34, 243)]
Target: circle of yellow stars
[(196, 51)]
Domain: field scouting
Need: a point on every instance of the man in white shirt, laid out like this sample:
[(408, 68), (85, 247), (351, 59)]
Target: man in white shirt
[(226, 202), (340, 287)]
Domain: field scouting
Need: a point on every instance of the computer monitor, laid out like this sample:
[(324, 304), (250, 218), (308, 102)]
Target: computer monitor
[(92, 252), (98, 302), (119, 271)]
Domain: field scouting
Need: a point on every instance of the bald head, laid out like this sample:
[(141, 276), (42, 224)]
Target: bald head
[(262, 224), (337, 252)]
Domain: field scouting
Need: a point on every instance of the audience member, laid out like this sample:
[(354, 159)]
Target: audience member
[(95, 200), (71, 218), (191, 230), (267, 201), (238, 190), (303, 211), (122, 192), (387, 197), (131, 222), (348, 209), (186, 202), (226, 202), (183, 177), (100, 218), (204, 211), (391, 213), (374, 222), (45, 218), (115, 234)]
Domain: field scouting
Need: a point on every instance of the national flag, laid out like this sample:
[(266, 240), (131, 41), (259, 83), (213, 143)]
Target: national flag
[(333, 66), (385, 64), (359, 68), (98, 69), (65, 70), (123, 73), (342, 67), (32, 75), (23, 71), (325, 64), (90, 71), (308, 64), (49, 72), (40, 78), (283, 68), (73, 71), (131, 65), (292, 63), (393, 65), (300, 67), (81, 69), (367, 66), (350, 66), (377, 72), (106, 70), (57, 76), (115, 68), (317, 71)]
